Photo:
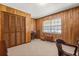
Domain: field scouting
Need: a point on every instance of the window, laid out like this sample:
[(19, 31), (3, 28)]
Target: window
[(52, 26), (46, 26)]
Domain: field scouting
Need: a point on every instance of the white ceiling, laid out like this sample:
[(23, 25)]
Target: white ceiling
[(38, 10)]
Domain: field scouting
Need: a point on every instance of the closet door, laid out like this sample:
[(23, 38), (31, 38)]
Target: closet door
[(18, 38), (5, 29), (5, 22), (23, 37), (18, 30), (24, 21), (14, 29), (12, 19), (23, 29), (18, 22), (12, 40), (6, 38)]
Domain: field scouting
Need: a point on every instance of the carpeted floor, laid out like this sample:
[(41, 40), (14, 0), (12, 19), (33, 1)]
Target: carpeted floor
[(37, 47)]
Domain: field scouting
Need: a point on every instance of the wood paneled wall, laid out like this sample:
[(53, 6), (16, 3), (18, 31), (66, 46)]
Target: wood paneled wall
[(33, 24), (70, 25), (28, 28)]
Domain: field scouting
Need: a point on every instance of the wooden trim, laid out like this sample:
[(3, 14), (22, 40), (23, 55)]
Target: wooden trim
[(15, 9)]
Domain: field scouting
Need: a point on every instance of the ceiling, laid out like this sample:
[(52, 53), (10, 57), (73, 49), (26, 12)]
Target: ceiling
[(38, 10)]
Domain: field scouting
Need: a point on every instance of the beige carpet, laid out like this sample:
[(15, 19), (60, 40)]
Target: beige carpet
[(37, 47)]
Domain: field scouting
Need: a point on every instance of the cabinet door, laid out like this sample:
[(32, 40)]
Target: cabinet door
[(14, 29), (18, 23), (23, 37), (6, 38), (22, 24), (18, 38), (6, 22), (12, 23), (12, 39), (23, 29), (24, 21)]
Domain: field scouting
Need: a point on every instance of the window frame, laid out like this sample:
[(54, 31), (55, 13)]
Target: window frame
[(55, 30)]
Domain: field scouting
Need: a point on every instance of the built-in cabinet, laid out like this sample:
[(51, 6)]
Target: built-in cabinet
[(13, 29)]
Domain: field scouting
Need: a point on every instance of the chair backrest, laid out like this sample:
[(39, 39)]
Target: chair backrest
[(61, 52), (59, 46)]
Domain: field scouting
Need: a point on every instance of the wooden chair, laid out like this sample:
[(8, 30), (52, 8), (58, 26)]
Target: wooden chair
[(61, 52)]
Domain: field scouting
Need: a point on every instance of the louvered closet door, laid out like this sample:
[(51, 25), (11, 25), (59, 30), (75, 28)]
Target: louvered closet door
[(5, 22), (14, 30), (6, 38), (9, 29), (5, 28), (12, 33), (18, 30), (23, 33)]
